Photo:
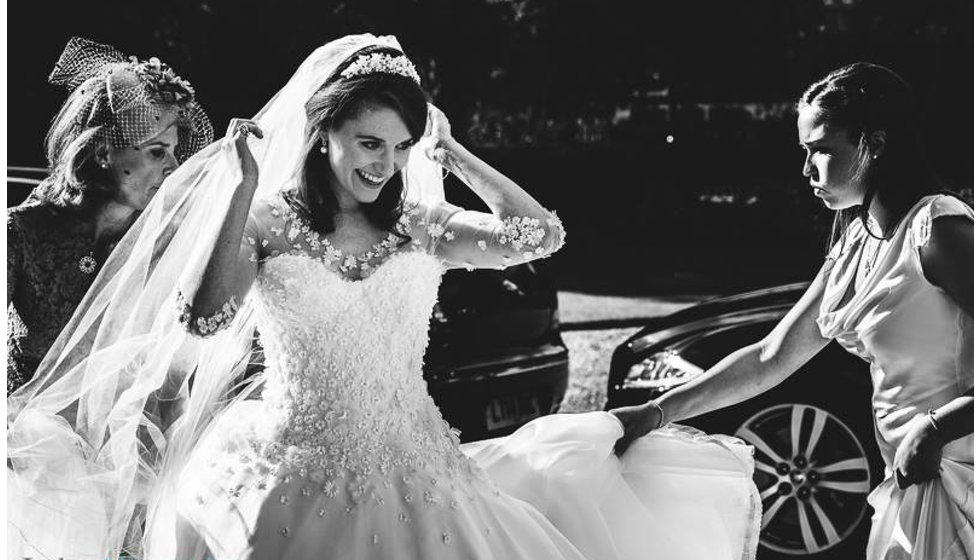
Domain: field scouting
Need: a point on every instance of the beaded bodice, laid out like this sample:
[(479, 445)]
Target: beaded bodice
[(344, 385), (344, 333)]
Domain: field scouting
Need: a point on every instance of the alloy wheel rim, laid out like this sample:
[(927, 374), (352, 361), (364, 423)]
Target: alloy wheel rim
[(812, 474)]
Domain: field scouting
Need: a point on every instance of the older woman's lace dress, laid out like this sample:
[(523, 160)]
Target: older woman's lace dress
[(346, 455), (48, 273)]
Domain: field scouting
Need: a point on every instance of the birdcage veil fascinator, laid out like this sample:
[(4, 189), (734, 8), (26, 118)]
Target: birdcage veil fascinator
[(129, 100), (125, 393)]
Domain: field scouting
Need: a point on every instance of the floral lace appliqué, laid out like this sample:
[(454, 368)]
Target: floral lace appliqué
[(206, 326), (346, 410), (520, 232), (355, 267), (510, 238)]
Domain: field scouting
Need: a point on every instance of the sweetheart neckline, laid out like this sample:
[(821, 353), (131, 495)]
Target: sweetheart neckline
[(343, 279)]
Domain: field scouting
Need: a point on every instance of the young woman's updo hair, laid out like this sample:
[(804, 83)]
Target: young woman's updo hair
[(338, 100), (862, 99)]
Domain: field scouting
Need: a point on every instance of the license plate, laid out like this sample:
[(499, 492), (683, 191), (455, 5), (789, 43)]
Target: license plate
[(514, 409)]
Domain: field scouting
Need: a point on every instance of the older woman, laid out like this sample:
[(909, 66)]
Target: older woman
[(126, 125)]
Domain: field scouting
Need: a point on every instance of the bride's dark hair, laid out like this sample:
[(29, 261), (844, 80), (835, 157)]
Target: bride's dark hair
[(338, 100)]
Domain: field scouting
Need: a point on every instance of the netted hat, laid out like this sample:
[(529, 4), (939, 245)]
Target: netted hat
[(131, 100)]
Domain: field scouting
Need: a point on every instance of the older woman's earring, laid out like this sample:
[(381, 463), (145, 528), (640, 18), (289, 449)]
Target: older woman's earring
[(323, 148), (104, 164)]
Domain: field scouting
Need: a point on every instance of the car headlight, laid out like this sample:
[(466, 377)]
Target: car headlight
[(663, 370)]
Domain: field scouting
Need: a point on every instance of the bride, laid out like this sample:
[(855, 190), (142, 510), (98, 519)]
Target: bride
[(320, 225)]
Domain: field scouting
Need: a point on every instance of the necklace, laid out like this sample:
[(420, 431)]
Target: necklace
[(88, 263), (869, 263)]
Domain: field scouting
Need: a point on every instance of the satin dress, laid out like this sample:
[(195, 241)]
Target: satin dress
[(919, 344)]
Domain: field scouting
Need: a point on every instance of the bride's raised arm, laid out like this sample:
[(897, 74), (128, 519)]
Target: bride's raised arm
[(208, 301), (519, 228)]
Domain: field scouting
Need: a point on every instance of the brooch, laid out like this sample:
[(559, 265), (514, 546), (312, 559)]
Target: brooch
[(87, 263)]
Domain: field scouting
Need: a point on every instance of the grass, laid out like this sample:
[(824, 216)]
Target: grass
[(577, 308), (590, 350), (589, 353)]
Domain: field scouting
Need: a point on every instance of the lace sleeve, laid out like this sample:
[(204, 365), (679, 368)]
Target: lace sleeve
[(16, 374), (470, 239), (209, 325), (15, 251), (207, 322)]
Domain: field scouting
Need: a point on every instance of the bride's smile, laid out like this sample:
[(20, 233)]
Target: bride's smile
[(365, 151), (370, 179)]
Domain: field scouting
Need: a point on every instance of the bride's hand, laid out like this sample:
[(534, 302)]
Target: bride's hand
[(637, 421), (438, 138), (239, 131)]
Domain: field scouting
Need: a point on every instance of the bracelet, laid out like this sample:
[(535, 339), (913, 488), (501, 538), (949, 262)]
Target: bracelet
[(931, 414), (660, 421)]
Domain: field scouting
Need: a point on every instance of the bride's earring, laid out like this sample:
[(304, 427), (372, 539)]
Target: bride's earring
[(323, 149)]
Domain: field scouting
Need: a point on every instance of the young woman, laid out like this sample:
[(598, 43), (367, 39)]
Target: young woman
[(896, 289)]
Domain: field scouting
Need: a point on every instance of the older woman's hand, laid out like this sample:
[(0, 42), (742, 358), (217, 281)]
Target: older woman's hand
[(238, 131)]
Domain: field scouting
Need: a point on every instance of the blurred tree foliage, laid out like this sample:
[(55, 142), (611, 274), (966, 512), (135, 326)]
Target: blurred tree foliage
[(543, 59), (682, 109)]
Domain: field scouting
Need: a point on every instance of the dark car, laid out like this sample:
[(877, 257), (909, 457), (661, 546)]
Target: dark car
[(496, 358), (815, 452), (20, 182)]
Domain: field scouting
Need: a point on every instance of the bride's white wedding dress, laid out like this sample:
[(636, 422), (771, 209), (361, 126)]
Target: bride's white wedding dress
[(347, 456)]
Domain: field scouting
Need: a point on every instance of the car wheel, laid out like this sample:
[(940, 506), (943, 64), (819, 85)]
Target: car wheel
[(813, 476)]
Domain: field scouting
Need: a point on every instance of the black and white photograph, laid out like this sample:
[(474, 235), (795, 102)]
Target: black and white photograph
[(490, 280)]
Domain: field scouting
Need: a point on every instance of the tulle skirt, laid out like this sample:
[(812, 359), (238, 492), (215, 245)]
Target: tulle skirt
[(55, 509), (552, 490), (675, 494)]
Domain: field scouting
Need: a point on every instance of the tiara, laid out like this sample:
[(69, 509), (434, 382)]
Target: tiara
[(382, 63)]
